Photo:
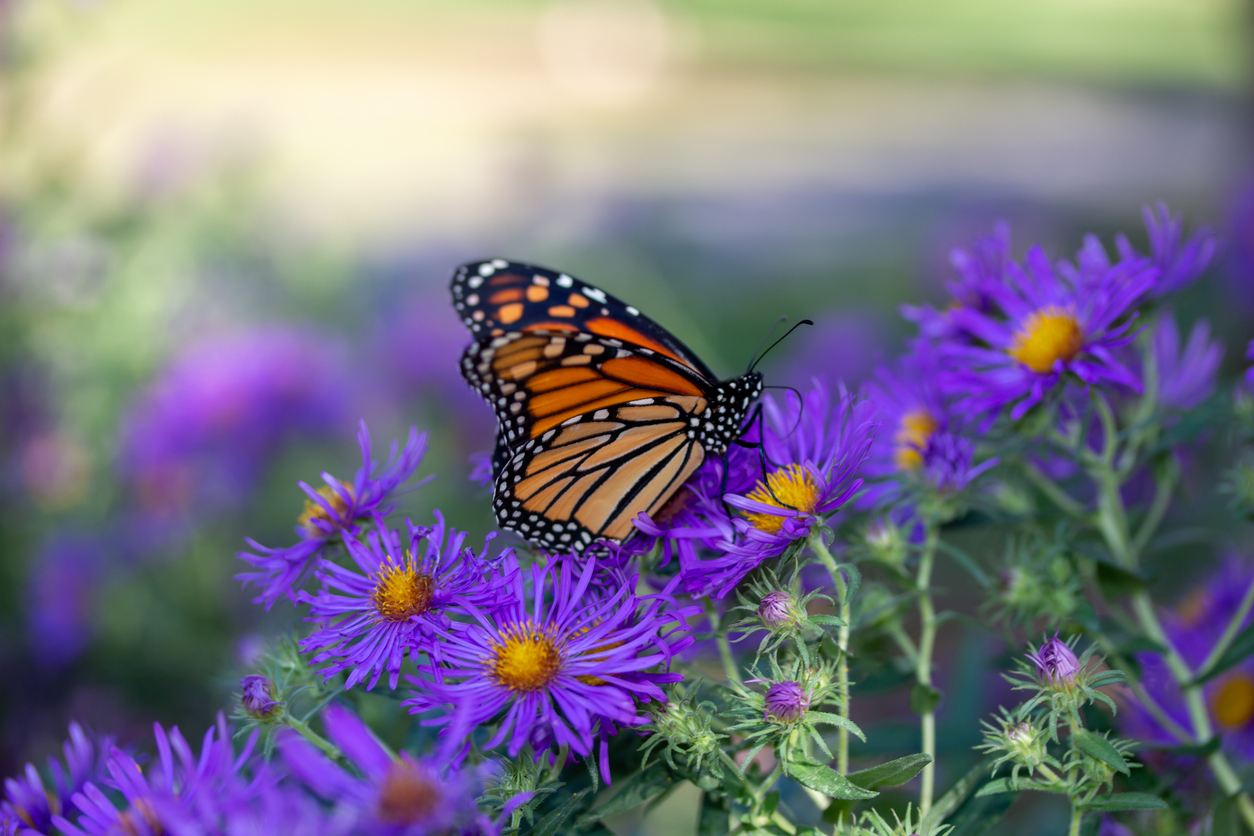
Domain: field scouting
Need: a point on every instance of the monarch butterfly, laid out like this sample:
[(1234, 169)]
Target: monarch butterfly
[(602, 413)]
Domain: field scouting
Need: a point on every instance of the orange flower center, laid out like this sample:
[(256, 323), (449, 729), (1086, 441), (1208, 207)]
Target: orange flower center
[(526, 659), (1047, 336), (1233, 703), (402, 592), (406, 797), (792, 487), (314, 511), (913, 432)]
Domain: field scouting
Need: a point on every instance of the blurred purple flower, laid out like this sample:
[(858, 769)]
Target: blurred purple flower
[(1046, 326), (1184, 379), (1194, 626), (332, 512), (979, 268), (390, 606), (842, 346), (180, 793), (204, 429), (1179, 262), (554, 664), (481, 469), (60, 602), (385, 794), (1249, 374), (29, 803)]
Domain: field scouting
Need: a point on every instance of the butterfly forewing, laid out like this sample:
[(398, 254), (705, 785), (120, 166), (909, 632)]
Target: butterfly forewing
[(496, 297)]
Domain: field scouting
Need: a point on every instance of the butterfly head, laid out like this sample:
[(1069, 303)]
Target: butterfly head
[(732, 401)]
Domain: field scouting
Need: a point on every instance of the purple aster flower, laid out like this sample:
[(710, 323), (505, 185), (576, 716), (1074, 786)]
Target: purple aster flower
[(1046, 327), (398, 593), (481, 469), (948, 463), (817, 450), (181, 793), (386, 794), (257, 697), (202, 432), (331, 512), (1179, 262), (1193, 626), (1056, 663), (1187, 378), (785, 702), (1249, 374), (554, 663), (979, 268), (30, 803)]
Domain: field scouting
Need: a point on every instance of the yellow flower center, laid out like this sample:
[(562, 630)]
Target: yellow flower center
[(1233, 704), (915, 428), (314, 511), (1049, 335), (589, 679), (792, 487), (402, 592), (407, 797), (527, 659)]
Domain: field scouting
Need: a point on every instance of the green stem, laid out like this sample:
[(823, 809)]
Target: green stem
[(1077, 816), (842, 639), (1230, 633), (724, 648), (316, 739), (1165, 486), (923, 664), (1051, 489)]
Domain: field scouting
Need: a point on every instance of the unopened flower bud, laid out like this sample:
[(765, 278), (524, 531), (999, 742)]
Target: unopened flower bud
[(1026, 744), (786, 702), (777, 610), (257, 697), (1056, 662), (886, 542)]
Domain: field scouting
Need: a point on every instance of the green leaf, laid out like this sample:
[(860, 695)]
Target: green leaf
[(1096, 746), (715, 820), (1196, 750), (636, 790), (828, 781), (770, 803), (892, 773), (1242, 647), (855, 581), (1126, 801), (837, 720), (828, 620), (996, 786), (954, 797), (551, 823), (977, 816), (924, 698), (966, 562)]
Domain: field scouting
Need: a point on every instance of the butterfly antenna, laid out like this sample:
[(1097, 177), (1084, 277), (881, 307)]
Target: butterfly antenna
[(801, 406), (758, 357)]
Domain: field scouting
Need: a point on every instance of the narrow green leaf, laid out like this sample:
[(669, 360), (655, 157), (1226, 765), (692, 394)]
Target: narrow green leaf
[(771, 802), (892, 773), (828, 781), (1196, 750), (634, 791), (829, 620), (995, 786), (924, 698), (979, 815), (837, 720), (966, 562), (551, 823), (1096, 746), (1126, 801), (855, 581), (954, 797), (1242, 647)]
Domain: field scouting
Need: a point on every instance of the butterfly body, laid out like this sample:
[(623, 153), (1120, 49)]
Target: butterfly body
[(602, 413)]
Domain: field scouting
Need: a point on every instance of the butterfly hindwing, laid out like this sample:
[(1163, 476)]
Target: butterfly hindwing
[(497, 297), (590, 476)]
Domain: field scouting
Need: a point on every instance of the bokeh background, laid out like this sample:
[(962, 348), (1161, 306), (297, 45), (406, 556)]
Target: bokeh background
[(226, 229)]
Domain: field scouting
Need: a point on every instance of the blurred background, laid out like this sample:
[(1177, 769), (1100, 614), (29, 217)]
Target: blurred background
[(227, 226)]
